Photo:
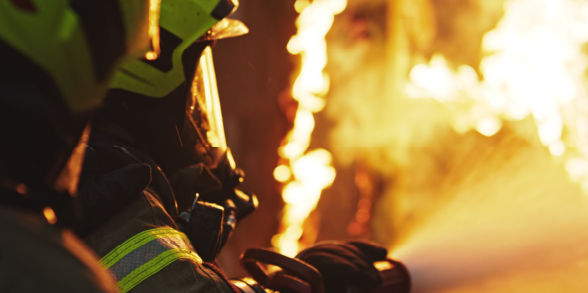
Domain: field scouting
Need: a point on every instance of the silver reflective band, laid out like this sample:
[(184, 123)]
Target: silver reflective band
[(147, 253)]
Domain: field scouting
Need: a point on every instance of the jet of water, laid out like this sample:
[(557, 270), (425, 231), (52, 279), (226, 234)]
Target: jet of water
[(512, 223)]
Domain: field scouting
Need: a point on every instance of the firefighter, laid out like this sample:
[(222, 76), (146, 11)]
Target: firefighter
[(57, 60), (165, 114)]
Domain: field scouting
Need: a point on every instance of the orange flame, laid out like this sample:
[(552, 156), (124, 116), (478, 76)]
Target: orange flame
[(154, 7), (534, 67), (49, 215), (307, 172)]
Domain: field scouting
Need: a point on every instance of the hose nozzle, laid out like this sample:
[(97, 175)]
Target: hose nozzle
[(395, 277)]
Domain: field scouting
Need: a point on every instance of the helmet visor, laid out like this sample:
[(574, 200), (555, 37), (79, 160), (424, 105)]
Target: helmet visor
[(204, 112)]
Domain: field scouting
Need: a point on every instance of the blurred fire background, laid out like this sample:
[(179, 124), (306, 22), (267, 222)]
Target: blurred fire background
[(466, 118)]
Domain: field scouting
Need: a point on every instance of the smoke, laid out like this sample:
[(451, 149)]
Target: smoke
[(372, 120)]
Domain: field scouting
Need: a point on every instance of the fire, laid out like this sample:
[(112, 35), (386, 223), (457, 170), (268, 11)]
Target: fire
[(534, 67), (503, 201), (306, 173), (466, 211), (49, 215), (154, 7)]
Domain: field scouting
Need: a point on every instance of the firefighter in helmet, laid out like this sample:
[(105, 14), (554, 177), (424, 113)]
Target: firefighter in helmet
[(165, 114), (58, 58)]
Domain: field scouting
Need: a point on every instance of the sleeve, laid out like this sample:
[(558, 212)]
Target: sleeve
[(145, 251)]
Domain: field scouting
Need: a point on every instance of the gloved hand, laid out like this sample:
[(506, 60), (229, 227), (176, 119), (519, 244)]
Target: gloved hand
[(345, 265)]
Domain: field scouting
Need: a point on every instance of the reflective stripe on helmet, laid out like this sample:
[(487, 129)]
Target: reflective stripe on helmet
[(147, 253)]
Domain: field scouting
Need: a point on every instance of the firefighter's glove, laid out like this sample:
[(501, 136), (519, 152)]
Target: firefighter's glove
[(102, 196), (345, 265)]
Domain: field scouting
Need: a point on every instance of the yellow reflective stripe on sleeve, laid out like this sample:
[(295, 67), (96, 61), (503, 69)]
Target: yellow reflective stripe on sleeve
[(136, 241), (153, 266), (147, 253)]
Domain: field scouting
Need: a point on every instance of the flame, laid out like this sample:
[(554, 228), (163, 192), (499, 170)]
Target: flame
[(154, 7), (307, 173), (534, 66), (460, 209), (49, 215)]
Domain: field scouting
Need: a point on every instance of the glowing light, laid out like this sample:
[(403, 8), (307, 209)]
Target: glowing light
[(535, 66), (21, 189), (282, 173), (154, 6), (49, 215), (314, 169), (309, 172), (489, 127), (557, 149), (300, 5)]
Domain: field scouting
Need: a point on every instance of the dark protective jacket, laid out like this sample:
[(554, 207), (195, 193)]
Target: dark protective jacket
[(39, 257), (140, 241)]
